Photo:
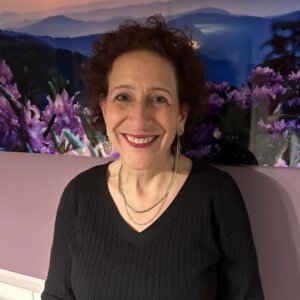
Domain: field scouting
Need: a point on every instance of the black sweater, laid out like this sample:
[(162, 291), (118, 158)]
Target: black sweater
[(201, 247)]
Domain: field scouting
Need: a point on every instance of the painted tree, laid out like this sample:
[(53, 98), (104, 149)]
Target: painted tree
[(285, 47)]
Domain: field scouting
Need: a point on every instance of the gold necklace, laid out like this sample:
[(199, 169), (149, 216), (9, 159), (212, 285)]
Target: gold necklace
[(162, 200)]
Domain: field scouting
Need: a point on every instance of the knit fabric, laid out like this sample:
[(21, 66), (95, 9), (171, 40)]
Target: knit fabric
[(201, 247)]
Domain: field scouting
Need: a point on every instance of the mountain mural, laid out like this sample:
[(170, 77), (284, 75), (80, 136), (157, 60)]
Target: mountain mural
[(61, 26), (230, 45), (34, 63)]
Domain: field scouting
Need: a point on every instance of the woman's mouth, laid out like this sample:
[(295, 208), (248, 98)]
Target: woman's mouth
[(140, 141)]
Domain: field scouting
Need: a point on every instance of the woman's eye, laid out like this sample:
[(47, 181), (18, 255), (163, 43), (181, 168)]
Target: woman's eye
[(122, 97), (159, 99)]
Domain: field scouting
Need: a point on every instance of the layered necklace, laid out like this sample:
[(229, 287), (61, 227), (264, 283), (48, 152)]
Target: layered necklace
[(161, 201)]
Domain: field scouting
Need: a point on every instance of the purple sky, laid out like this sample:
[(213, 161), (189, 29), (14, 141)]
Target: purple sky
[(250, 7)]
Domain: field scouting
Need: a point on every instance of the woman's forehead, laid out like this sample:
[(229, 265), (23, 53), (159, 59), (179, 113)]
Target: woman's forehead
[(142, 67)]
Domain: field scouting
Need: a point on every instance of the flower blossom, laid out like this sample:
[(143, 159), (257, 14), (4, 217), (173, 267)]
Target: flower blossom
[(295, 77), (294, 101), (65, 113), (199, 153), (34, 127), (10, 127), (264, 76), (217, 96), (274, 128), (242, 98)]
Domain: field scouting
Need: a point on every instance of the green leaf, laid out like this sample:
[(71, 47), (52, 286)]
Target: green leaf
[(53, 90), (92, 152), (25, 84), (90, 132), (10, 100), (72, 139), (49, 127), (54, 139)]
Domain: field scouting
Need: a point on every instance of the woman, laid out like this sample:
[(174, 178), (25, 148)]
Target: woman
[(151, 224)]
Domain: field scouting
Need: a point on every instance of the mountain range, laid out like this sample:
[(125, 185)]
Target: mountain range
[(232, 42)]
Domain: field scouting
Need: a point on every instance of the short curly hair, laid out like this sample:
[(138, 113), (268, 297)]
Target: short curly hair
[(172, 44)]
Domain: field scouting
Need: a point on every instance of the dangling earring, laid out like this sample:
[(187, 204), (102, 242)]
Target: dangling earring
[(178, 145), (107, 145)]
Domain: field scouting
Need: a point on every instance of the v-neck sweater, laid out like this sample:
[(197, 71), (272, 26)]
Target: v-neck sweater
[(201, 247)]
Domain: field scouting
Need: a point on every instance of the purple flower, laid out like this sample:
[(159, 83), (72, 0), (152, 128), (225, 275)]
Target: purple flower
[(294, 101), (242, 97), (203, 134), (274, 128), (262, 95), (219, 88), (294, 77), (199, 153), (277, 90), (280, 163), (217, 96), (6, 78), (34, 128), (65, 112), (215, 104), (293, 126), (10, 127), (278, 126), (6, 75), (264, 76)]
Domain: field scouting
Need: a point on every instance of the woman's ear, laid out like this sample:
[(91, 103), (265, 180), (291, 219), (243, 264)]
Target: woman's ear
[(102, 104), (183, 113)]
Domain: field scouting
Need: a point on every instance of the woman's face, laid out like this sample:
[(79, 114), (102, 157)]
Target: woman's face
[(141, 111)]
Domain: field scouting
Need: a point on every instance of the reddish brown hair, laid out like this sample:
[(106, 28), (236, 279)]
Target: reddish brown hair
[(171, 43)]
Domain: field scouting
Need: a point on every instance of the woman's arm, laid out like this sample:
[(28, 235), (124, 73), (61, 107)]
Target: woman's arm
[(58, 282), (238, 270)]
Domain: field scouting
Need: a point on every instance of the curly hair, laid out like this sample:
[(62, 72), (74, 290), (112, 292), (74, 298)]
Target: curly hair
[(170, 43)]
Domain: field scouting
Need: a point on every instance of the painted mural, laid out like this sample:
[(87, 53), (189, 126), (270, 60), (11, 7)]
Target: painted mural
[(250, 50)]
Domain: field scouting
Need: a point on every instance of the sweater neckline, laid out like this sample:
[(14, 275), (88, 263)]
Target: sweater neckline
[(133, 236)]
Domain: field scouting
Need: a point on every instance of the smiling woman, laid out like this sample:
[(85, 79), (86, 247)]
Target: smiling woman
[(141, 109), (152, 224)]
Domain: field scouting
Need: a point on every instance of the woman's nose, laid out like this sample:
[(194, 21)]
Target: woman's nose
[(141, 114)]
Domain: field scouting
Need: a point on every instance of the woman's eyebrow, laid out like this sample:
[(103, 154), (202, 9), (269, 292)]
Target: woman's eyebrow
[(153, 89), (123, 86)]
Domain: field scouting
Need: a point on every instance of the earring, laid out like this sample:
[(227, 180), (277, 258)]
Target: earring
[(107, 146), (178, 145)]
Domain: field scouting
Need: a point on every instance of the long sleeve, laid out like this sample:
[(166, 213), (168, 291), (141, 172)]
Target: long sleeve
[(58, 282), (238, 269)]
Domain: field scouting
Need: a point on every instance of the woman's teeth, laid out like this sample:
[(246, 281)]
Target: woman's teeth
[(140, 140)]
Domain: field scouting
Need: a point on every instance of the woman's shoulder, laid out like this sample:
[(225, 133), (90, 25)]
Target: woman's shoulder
[(89, 176), (208, 171)]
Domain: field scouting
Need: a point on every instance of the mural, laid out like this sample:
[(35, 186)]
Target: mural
[(251, 53)]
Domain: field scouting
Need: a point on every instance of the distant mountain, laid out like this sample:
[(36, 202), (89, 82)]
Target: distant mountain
[(101, 11), (212, 10), (43, 63), (294, 16), (229, 44), (141, 10), (20, 24), (7, 18), (61, 26), (81, 44), (229, 37), (113, 8)]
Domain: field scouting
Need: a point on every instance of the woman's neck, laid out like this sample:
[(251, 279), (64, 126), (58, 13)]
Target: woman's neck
[(153, 179)]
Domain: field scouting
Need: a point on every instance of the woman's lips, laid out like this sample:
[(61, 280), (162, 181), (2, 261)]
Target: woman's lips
[(140, 141)]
